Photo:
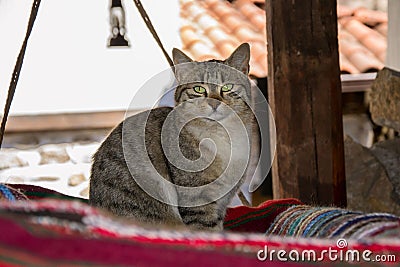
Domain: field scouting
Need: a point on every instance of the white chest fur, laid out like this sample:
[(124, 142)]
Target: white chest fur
[(227, 143)]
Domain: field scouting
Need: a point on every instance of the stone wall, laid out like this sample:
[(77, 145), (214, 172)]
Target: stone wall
[(373, 174), (62, 165)]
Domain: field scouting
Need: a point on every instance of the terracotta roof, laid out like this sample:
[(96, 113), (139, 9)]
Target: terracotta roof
[(214, 28)]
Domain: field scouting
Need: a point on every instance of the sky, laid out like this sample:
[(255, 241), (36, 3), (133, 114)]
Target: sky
[(68, 67)]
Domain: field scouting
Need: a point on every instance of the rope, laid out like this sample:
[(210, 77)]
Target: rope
[(17, 69), (149, 25)]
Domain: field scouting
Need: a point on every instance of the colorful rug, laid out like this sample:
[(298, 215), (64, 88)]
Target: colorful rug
[(57, 230), (330, 222)]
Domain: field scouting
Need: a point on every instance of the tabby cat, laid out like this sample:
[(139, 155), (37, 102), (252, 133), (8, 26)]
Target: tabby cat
[(172, 173)]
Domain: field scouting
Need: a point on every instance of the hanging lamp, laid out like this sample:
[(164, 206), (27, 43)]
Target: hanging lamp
[(117, 22)]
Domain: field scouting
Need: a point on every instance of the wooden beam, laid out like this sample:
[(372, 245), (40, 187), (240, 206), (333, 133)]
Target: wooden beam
[(66, 121), (352, 83), (305, 97)]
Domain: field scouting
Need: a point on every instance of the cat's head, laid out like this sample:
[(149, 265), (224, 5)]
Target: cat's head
[(213, 88)]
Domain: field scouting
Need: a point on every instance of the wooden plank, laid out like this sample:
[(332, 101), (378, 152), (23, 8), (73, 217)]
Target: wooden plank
[(393, 50), (67, 121), (352, 83), (305, 97)]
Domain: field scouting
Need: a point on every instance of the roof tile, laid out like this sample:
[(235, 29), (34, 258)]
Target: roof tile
[(254, 14), (382, 28), (201, 51), (226, 48), (344, 11), (358, 55), (214, 28), (345, 66), (188, 35), (370, 17), (370, 38)]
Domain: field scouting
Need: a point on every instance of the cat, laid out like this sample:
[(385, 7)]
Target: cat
[(211, 104)]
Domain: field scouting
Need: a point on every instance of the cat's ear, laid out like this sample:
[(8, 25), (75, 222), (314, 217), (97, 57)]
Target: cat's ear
[(180, 70), (179, 57), (240, 58)]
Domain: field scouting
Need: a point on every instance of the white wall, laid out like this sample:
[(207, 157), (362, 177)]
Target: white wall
[(393, 50), (68, 67)]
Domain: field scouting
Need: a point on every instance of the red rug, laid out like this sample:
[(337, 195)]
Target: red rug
[(56, 230)]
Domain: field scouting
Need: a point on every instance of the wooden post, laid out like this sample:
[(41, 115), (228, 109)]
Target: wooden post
[(305, 96)]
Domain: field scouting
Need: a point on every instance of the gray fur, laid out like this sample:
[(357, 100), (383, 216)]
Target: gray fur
[(111, 184)]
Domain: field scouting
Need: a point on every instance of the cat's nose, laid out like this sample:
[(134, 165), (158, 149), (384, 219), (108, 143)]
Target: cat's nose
[(214, 103)]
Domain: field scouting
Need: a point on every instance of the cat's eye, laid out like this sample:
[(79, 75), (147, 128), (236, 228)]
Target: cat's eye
[(199, 89), (227, 87)]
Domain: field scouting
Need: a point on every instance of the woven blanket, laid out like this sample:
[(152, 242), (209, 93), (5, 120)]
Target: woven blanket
[(331, 222), (41, 227)]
